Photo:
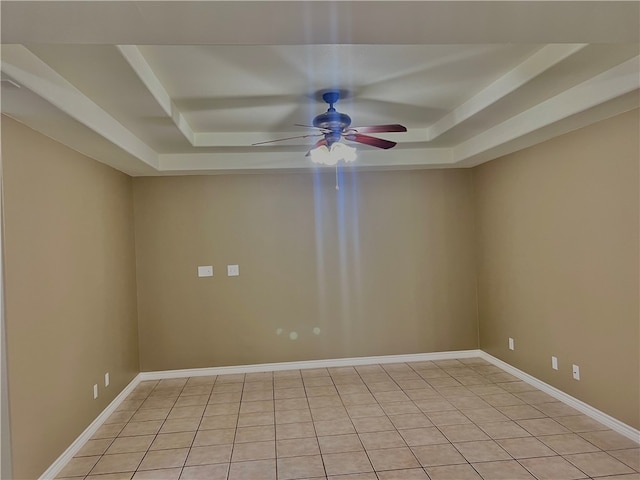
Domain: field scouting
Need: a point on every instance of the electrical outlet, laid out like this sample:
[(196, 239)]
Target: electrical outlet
[(511, 344), (106, 379), (205, 271), (554, 363), (576, 372), (233, 270), (95, 391)]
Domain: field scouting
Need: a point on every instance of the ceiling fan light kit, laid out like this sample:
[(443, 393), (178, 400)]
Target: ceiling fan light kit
[(335, 126)]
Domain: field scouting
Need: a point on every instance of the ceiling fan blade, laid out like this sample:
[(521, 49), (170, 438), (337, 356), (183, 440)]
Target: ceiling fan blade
[(288, 138), (319, 143), (373, 141), (394, 127)]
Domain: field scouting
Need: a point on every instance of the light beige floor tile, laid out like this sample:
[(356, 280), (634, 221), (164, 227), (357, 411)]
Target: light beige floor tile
[(469, 403), (354, 476), (423, 394), (580, 423), (243, 452), (186, 412), (453, 472), (361, 411), (317, 381), (429, 405), (295, 430), (206, 472), (209, 455), (109, 476), (463, 433), (259, 469), (224, 397), (158, 402), (482, 451), (329, 413), (481, 416), (628, 476), (410, 420), (151, 414), (260, 406), (527, 447), (435, 455), (552, 468), (320, 390), (400, 408), (333, 427), (391, 397), (214, 437), (404, 474), (448, 417), (130, 444), (191, 400), (300, 467), (483, 390), (630, 457), (255, 419), (286, 393), (506, 470), (230, 378), (392, 459), (358, 399), (372, 424), (343, 463), (120, 416), (423, 436), (167, 441), (162, 474), (322, 402), (507, 429), (378, 440), (568, 443), (215, 422), (122, 462), (222, 409), (297, 447), (79, 466), (157, 459), (141, 428), (542, 426), (299, 403), (556, 409), (181, 425), (94, 447), (340, 444), (534, 397), (598, 464), (255, 434), (292, 416), (521, 412), (257, 395), (609, 440), (197, 390), (502, 399), (108, 431)]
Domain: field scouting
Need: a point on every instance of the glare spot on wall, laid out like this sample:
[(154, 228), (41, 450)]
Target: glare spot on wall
[(293, 335), (316, 331), (279, 331)]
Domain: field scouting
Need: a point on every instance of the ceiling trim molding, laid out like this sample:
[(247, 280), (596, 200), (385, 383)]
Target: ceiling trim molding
[(233, 162), (539, 62), (147, 76), (31, 72), (615, 82)]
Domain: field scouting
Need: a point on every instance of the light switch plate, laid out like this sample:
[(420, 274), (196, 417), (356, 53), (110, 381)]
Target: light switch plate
[(205, 271), (554, 363), (233, 270), (511, 344)]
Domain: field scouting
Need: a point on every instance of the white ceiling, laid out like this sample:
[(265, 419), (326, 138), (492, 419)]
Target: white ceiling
[(164, 87)]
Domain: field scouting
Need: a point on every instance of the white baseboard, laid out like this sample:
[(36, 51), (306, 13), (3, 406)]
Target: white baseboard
[(79, 442), (599, 416), (337, 362)]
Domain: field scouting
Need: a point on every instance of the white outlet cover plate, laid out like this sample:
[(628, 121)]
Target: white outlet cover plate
[(233, 270), (106, 379), (511, 344), (576, 372), (205, 271), (554, 363), (95, 391)]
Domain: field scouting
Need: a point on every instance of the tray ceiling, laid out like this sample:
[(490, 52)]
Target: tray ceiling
[(157, 88)]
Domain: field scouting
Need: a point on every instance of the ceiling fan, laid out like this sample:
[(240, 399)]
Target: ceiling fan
[(334, 126)]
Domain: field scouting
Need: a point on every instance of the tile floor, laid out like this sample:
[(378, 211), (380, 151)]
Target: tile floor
[(452, 419)]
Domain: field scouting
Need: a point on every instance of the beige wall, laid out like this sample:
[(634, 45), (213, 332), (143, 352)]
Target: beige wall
[(558, 262), (70, 292), (383, 266)]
